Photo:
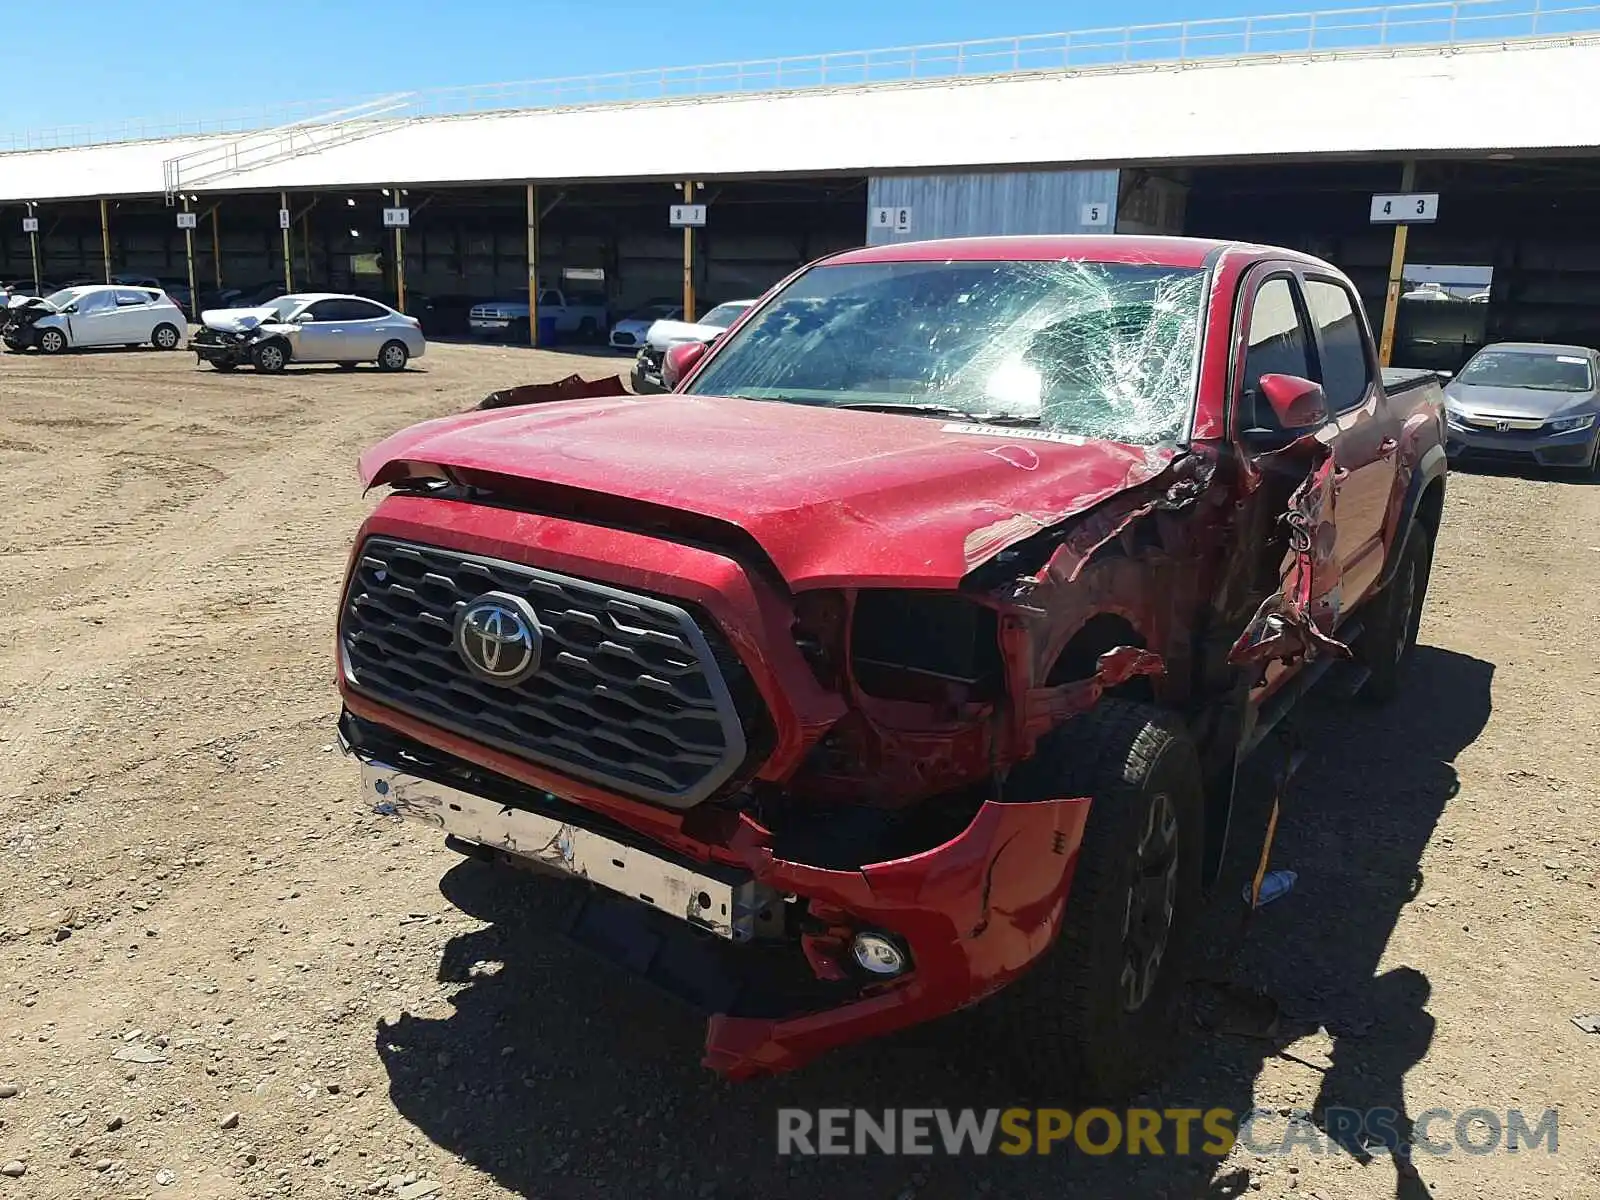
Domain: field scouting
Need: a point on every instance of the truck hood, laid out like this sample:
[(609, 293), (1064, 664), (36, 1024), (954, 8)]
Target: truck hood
[(834, 497), (236, 320), (1541, 403)]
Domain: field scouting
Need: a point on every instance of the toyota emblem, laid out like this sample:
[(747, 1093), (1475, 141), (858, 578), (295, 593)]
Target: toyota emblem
[(498, 637)]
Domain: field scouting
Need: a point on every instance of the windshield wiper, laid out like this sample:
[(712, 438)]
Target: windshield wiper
[(941, 410)]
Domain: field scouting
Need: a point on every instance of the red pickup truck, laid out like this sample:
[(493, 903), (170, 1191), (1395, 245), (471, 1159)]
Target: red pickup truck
[(906, 650)]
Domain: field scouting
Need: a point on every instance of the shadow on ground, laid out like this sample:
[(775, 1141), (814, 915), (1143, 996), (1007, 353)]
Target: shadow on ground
[(558, 1077)]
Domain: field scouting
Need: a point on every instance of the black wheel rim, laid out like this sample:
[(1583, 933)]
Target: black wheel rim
[(1152, 903)]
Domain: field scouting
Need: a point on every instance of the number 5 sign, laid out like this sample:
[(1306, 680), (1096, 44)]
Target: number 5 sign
[(1405, 208)]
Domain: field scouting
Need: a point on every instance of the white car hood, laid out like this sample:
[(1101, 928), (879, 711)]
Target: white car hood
[(236, 320), (665, 333)]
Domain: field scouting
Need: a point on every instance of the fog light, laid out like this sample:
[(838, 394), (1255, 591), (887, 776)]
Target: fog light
[(877, 954)]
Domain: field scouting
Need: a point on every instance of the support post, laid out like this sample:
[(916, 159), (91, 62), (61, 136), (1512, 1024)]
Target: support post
[(194, 286), (688, 259), (399, 257), (1397, 269), (105, 238), (216, 243), (305, 247), (533, 265), (33, 243), (288, 263)]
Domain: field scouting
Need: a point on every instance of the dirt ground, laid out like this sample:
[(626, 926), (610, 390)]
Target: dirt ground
[(221, 975)]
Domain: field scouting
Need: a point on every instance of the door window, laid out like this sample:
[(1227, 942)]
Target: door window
[(361, 310), (549, 299), (128, 298), (326, 310), (95, 302), (1346, 370), (1276, 343)]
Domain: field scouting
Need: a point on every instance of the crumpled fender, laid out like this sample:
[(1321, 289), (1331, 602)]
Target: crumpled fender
[(975, 912), (1283, 627)]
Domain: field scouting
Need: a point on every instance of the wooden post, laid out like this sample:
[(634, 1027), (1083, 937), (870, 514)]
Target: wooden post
[(399, 258), (216, 243), (1397, 270), (33, 242), (105, 239), (533, 265), (194, 288), (688, 259), (288, 263), (305, 247)]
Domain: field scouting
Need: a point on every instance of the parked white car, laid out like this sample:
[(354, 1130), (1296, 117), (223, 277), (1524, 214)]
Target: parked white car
[(633, 330), (663, 335), (96, 315)]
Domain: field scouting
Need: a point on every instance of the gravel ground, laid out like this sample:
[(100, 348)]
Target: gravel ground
[(222, 976)]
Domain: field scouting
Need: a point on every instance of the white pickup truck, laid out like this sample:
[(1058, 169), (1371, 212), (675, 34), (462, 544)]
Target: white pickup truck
[(587, 320)]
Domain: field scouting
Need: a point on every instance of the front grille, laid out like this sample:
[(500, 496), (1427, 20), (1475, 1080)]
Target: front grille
[(623, 339), (631, 691)]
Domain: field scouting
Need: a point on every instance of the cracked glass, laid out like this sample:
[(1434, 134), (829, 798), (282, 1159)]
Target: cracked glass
[(1099, 350)]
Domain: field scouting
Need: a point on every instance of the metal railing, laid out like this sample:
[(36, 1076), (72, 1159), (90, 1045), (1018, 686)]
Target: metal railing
[(266, 146), (1443, 23)]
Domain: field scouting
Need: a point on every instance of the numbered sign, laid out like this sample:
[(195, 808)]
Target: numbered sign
[(682, 216), (895, 220), (1405, 208), (1095, 215), (397, 218), (30, 224), (186, 220), (283, 218)]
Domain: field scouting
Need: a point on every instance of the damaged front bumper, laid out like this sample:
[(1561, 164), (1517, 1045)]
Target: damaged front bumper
[(761, 944), (213, 346)]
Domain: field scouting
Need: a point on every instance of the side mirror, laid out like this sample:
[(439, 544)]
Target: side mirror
[(1298, 404), (680, 360)]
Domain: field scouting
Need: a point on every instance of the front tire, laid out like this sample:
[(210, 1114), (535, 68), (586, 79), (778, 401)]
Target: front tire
[(269, 358), (1101, 1011), (1386, 644), (165, 337), (393, 356), (52, 341)]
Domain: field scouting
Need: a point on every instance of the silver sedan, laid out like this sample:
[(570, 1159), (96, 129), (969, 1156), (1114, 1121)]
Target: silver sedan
[(1527, 401), (308, 327)]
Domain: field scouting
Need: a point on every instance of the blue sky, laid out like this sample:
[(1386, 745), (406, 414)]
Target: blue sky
[(113, 59)]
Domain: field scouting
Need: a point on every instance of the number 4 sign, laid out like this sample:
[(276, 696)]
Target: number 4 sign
[(1405, 208)]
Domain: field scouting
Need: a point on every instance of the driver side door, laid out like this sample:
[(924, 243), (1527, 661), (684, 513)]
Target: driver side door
[(1277, 337), (93, 321)]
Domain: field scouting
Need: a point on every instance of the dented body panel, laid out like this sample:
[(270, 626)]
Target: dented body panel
[(904, 604)]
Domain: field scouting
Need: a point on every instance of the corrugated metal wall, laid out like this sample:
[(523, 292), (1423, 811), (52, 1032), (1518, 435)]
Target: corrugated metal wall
[(987, 203)]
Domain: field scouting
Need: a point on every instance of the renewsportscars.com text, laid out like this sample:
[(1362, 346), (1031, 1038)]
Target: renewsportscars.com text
[(1212, 1132)]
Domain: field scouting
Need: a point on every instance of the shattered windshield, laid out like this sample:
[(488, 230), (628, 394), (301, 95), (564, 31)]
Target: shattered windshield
[(1099, 350)]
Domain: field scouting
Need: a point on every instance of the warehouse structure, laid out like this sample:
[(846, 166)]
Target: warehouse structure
[(1271, 129)]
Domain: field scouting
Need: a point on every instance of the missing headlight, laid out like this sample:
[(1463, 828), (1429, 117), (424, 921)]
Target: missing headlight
[(914, 645)]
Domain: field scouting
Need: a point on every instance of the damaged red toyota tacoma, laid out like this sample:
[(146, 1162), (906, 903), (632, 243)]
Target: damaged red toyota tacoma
[(906, 650)]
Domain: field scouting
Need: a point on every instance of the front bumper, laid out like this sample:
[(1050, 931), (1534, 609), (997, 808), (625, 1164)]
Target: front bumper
[(973, 913), (213, 347), (1574, 448), (20, 337)]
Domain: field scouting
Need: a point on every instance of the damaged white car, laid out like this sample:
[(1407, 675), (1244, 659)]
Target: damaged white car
[(308, 327), (98, 315)]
